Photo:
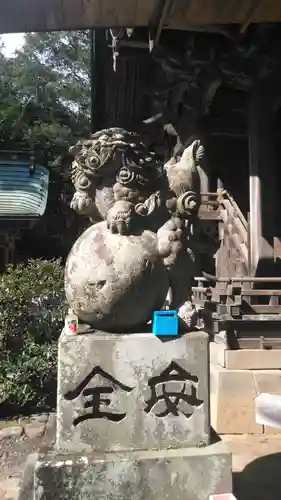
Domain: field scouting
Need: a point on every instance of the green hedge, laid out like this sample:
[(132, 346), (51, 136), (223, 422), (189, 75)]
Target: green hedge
[(32, 310)]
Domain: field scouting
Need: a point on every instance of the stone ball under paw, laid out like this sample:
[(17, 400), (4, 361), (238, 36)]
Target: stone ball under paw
[(114, 282)]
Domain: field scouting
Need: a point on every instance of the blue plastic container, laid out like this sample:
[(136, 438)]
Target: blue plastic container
[(165, 323)]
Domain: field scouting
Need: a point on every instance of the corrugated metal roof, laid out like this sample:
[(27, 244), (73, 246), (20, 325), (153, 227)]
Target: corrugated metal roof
[(23, 194), (47, 15)]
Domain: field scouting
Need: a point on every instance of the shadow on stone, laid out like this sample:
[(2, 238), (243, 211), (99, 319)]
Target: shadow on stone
[(260, 480), (214, 437), (144, 328)]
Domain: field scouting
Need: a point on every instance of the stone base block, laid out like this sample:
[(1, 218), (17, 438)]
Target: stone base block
[(245, 359), (182, 474), (132, 392), (232, 399)]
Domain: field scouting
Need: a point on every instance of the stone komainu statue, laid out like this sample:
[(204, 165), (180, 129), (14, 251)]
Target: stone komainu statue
[(122, 266)]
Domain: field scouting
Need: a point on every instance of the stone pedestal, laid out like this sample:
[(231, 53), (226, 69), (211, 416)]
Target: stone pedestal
[(132, 392), (133, 422), (181, 474)]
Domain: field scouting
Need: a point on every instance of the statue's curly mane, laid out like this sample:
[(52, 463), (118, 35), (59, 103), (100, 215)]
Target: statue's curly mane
[(93, 157)]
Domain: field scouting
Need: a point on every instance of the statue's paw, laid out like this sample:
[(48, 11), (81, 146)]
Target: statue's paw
[(119, 217), (82, 203), (170, 237), (189, 315), (119, 226)]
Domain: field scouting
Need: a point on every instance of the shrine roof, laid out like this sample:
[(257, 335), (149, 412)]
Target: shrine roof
[(47, 15)]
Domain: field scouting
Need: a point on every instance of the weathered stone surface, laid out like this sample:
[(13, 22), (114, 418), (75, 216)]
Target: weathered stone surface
[(40, 417), (182, 474), (253, 359), (11, 432), (217, 354), (34, 429), (248, 373), (36, 417), (245, 359), (9, 488), (113, 281), (179, 418), (232, 401), (268, 381), (120, 269), (51, 426), (27, 482)]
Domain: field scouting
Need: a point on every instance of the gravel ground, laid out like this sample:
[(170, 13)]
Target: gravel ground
[(30, 435)]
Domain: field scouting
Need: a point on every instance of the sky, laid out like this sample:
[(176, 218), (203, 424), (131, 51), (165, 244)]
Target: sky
[(12, 42)]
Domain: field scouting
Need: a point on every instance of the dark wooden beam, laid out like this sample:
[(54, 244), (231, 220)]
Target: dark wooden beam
[(35, 15), (134, 44), (99, 56)]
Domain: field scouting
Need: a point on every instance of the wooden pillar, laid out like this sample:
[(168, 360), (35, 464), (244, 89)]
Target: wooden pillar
[(262, 185), (99, 53)]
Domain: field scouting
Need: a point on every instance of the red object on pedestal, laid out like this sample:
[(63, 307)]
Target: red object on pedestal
[(72, 327), (224, 496)]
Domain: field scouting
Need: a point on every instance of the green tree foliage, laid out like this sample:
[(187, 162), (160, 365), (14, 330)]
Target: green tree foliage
[(45, 105), (32, 314), (45, 92), (45, 102)]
